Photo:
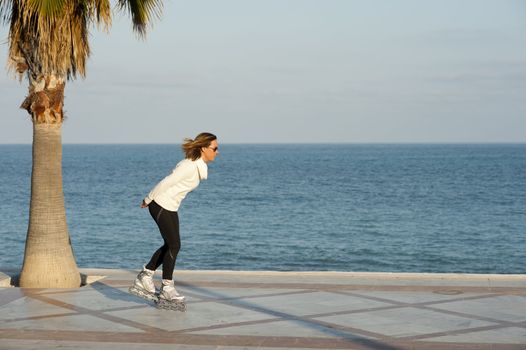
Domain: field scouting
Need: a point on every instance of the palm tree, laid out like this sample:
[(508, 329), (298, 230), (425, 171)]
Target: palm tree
[(48, 43)]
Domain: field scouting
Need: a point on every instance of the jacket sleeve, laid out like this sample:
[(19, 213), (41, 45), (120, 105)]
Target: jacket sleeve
[(181, 171)]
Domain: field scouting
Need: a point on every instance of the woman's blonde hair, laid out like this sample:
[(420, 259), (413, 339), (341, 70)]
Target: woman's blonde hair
[(192, 148)]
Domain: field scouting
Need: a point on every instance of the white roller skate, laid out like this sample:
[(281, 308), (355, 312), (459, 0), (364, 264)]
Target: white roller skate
[(169, 298), (143, 285)]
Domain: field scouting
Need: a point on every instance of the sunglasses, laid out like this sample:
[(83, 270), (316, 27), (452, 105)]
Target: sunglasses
[(214, 148)]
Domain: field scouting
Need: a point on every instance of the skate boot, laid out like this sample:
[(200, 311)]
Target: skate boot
[(169, 298), (143, 285)]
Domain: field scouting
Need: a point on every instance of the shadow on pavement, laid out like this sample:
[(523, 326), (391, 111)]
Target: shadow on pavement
[(118, 294), (312, 324)]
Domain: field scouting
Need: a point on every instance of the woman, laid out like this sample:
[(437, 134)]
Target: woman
[(163, 202)]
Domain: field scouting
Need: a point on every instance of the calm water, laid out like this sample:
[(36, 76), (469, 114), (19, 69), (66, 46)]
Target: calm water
[(416, 208)]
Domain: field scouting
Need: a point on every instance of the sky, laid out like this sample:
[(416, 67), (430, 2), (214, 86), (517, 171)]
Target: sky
[(298, 71)]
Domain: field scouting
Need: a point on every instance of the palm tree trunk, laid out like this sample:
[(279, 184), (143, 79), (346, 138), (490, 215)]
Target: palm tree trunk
[(48, 260)]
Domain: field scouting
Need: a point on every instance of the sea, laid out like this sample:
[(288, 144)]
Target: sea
[(290, 207)]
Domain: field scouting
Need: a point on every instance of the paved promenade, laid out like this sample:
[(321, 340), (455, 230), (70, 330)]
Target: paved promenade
[(272, 310)]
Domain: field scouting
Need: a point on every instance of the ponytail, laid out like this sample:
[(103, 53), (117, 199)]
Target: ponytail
[(192, 148)]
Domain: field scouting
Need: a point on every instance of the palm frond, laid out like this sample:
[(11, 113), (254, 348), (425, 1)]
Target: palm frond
[(49, 9), (6, 7), (50, 37), (142, 13), (100, 12)]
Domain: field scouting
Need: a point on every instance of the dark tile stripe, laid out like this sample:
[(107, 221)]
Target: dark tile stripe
[(201, 339), (36, 318), (248, 341)]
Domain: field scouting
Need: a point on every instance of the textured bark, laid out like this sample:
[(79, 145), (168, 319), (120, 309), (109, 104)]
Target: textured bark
[(45, 100), (48, 260)]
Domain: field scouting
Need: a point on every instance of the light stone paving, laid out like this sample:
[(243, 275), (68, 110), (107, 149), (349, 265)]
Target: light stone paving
[(271, 310)]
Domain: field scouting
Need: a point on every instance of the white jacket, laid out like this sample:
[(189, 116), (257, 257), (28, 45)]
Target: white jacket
[(185, 177)]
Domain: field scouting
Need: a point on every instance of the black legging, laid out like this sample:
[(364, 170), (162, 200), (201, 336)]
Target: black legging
[(168, 222)]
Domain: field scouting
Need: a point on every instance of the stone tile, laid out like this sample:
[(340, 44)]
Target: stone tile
[(98, 299), (258, 348), (404, 322), (511, 335), (8, 295), (197, 315), (310, 303), (414, 297), (77, 322), (83, 345), (505, 307), (280, 328), (27, 307), (220, 293), (8, 344)]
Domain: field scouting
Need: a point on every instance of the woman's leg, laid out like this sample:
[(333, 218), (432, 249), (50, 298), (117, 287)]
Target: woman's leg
[(157, 257), (168, 223)]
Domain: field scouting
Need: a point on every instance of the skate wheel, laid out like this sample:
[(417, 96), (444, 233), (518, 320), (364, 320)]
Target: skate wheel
[(171, 305), (142, 294)]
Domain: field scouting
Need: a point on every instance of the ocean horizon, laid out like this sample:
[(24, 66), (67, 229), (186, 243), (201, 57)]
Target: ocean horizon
[(438, 143)]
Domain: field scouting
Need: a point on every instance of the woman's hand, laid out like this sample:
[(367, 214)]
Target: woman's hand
[(143, 204)]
